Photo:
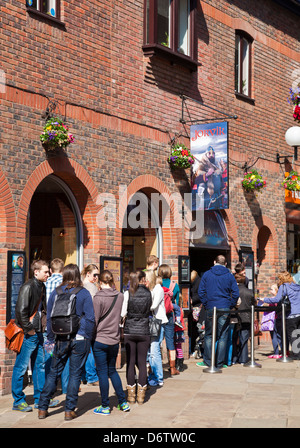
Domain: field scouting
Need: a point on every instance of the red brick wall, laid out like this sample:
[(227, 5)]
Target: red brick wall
[(123, 108)]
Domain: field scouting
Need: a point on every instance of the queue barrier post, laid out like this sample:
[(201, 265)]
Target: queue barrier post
[(252, 362), (212, 368), (284, 356)]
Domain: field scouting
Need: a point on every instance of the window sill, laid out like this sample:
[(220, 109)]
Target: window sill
[(151, 50), (243, 97), (38, 14)]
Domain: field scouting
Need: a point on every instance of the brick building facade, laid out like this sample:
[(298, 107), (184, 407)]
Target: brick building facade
[(121, 98)]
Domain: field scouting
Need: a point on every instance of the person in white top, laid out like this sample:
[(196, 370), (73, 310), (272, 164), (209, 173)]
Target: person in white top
[(156, 378)]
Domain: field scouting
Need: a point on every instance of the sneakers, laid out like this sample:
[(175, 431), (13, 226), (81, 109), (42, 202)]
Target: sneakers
[(201, 364), (124, 407), (179, 324), (23, 407), (102, 411)]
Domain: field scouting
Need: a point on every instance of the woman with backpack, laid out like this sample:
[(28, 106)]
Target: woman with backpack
[(70, 335), (136, 308), (107, 306)]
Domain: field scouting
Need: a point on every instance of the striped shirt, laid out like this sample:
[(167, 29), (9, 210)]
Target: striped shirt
[(52, 282)]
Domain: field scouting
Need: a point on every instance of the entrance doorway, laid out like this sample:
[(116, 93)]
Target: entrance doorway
[(141, 234), (54, 227)]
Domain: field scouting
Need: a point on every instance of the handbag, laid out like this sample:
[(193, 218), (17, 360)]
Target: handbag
[(267, 321), (154, 326), (284, 301), (14, 336), (257, 331), (121, 327)]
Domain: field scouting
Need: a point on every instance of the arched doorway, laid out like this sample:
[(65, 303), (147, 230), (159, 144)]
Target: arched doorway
[(54, 224), (141, 234)]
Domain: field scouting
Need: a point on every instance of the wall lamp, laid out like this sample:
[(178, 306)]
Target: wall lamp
[(292, 137)]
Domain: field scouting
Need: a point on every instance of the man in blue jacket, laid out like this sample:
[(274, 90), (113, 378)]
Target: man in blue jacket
[(218, 288)]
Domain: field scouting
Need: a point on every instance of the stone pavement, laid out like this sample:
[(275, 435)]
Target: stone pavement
[(239, 397)]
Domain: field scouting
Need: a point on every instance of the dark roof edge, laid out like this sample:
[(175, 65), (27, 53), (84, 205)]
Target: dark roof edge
[(292, 5)]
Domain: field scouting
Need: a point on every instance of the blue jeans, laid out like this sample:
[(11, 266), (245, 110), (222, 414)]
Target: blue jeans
[(90, 369), (105, 357), (221, 336), (242, 356), (168, 332), (65, 373), (76, 352), (155, 359), (32, 349)]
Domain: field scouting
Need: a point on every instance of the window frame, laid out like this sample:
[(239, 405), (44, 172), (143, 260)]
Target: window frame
[(238, 78), (153, 48), (40, 11)]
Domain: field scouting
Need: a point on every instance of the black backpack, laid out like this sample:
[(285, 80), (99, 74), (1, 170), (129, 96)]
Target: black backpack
[(64, 320)]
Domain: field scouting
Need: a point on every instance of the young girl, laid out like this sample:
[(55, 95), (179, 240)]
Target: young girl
[(156, 378), (179, 338)]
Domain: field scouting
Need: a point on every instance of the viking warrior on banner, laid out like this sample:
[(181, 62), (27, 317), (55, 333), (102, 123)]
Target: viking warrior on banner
[(207, 182)]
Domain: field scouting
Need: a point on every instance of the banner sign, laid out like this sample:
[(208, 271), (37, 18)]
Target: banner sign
[(209, 146), (16, 269), (292, 196)]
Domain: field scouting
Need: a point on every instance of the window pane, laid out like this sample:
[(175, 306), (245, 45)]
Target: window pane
[(183, 28), (237, 64), (147, 21), (49, 7), (163, 22), (33, 3), (245, 66)]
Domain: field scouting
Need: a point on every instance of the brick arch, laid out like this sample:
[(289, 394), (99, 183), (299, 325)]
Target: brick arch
[(170, 236), (7, 213), (267, 222), (74, 175), (269, 263)]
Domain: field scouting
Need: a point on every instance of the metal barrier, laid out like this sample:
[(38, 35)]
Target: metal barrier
[(212, 368), (252, 362), (284, 357)]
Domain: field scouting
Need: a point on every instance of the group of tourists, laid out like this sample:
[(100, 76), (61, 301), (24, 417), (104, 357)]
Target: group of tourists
[(228, 292), (85, 344)]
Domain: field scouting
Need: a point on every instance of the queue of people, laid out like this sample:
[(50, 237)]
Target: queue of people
[(228, 291), (94, 330)]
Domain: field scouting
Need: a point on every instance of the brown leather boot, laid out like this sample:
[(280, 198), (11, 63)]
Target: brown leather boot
[(69, 415), (131, 394), (42, 414), (141, 392), (172, 361)]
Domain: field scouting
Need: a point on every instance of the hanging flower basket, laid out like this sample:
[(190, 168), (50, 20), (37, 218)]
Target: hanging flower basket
[(56, 135), (294, 99), (180, 157), (253, 181), (291, 181)]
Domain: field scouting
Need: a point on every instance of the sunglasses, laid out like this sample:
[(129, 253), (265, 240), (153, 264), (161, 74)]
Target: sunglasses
[(95, 275)]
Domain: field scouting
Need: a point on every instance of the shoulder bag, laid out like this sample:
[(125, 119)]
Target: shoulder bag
[(284, 301), (14, 336), (154, 326)]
